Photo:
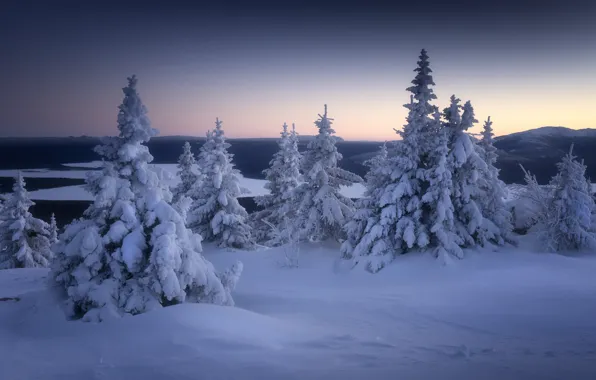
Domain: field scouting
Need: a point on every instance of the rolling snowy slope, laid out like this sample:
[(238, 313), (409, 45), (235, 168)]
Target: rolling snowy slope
[(496, 315)]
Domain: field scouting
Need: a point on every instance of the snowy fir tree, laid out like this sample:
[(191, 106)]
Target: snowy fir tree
[(323, 210), (131, 251), (53, 230), (283, 176), (497, 223), (409, 207), (570, 226), (395, 221), (24, 240), (215, 212), (364, 215), (437, 200), (465, 165), (187, 174)]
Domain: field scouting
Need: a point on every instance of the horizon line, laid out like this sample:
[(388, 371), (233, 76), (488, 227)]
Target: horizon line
[(271, 137)]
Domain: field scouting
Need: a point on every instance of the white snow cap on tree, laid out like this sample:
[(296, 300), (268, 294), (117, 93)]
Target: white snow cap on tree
[(215, 212), (570, 225), (497, 223), (131, 251), (187, 174), (283, 177), (24, 240), (465, 165), (322, 209)]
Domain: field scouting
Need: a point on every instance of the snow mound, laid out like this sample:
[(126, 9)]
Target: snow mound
[(499, 314)]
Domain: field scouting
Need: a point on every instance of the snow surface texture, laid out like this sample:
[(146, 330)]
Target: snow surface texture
[(496, 315)]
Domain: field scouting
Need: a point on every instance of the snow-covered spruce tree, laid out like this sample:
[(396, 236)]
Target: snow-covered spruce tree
[(365, 214), (215, 212), (283, 176), (465, 165), (131, 251), (53, 230), (411, 206), (24, 240), (437, 200), (570, 226), (322, 209), (187, 174), (497, 223)]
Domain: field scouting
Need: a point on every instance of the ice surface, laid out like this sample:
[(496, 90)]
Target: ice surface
[(508, 314)]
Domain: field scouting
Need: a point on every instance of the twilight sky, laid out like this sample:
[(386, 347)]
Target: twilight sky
[(256, 64)]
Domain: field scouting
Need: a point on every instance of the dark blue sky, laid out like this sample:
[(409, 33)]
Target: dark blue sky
[(258, 64)]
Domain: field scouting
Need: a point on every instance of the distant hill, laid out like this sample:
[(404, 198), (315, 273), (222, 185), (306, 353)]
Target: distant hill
[(538, 150)]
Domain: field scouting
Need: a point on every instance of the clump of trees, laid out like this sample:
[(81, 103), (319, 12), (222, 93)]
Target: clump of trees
[(436, 189), (138, 246), (132, 252)]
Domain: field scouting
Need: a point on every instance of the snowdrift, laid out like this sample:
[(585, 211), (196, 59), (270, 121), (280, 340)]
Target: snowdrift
[(506, 314)]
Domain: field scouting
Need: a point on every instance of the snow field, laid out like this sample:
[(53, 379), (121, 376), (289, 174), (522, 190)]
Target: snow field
[(507, 314)]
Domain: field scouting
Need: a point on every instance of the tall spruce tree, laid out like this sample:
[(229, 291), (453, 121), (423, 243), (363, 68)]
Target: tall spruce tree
[(497, 223), (397, 218), (131, 251), (283, 177), (465, 165), (323, 210), (24, 240), (215, 212), (408, 206)]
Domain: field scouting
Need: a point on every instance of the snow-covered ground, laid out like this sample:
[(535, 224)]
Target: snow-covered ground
[(500, 315), (255, 187)]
